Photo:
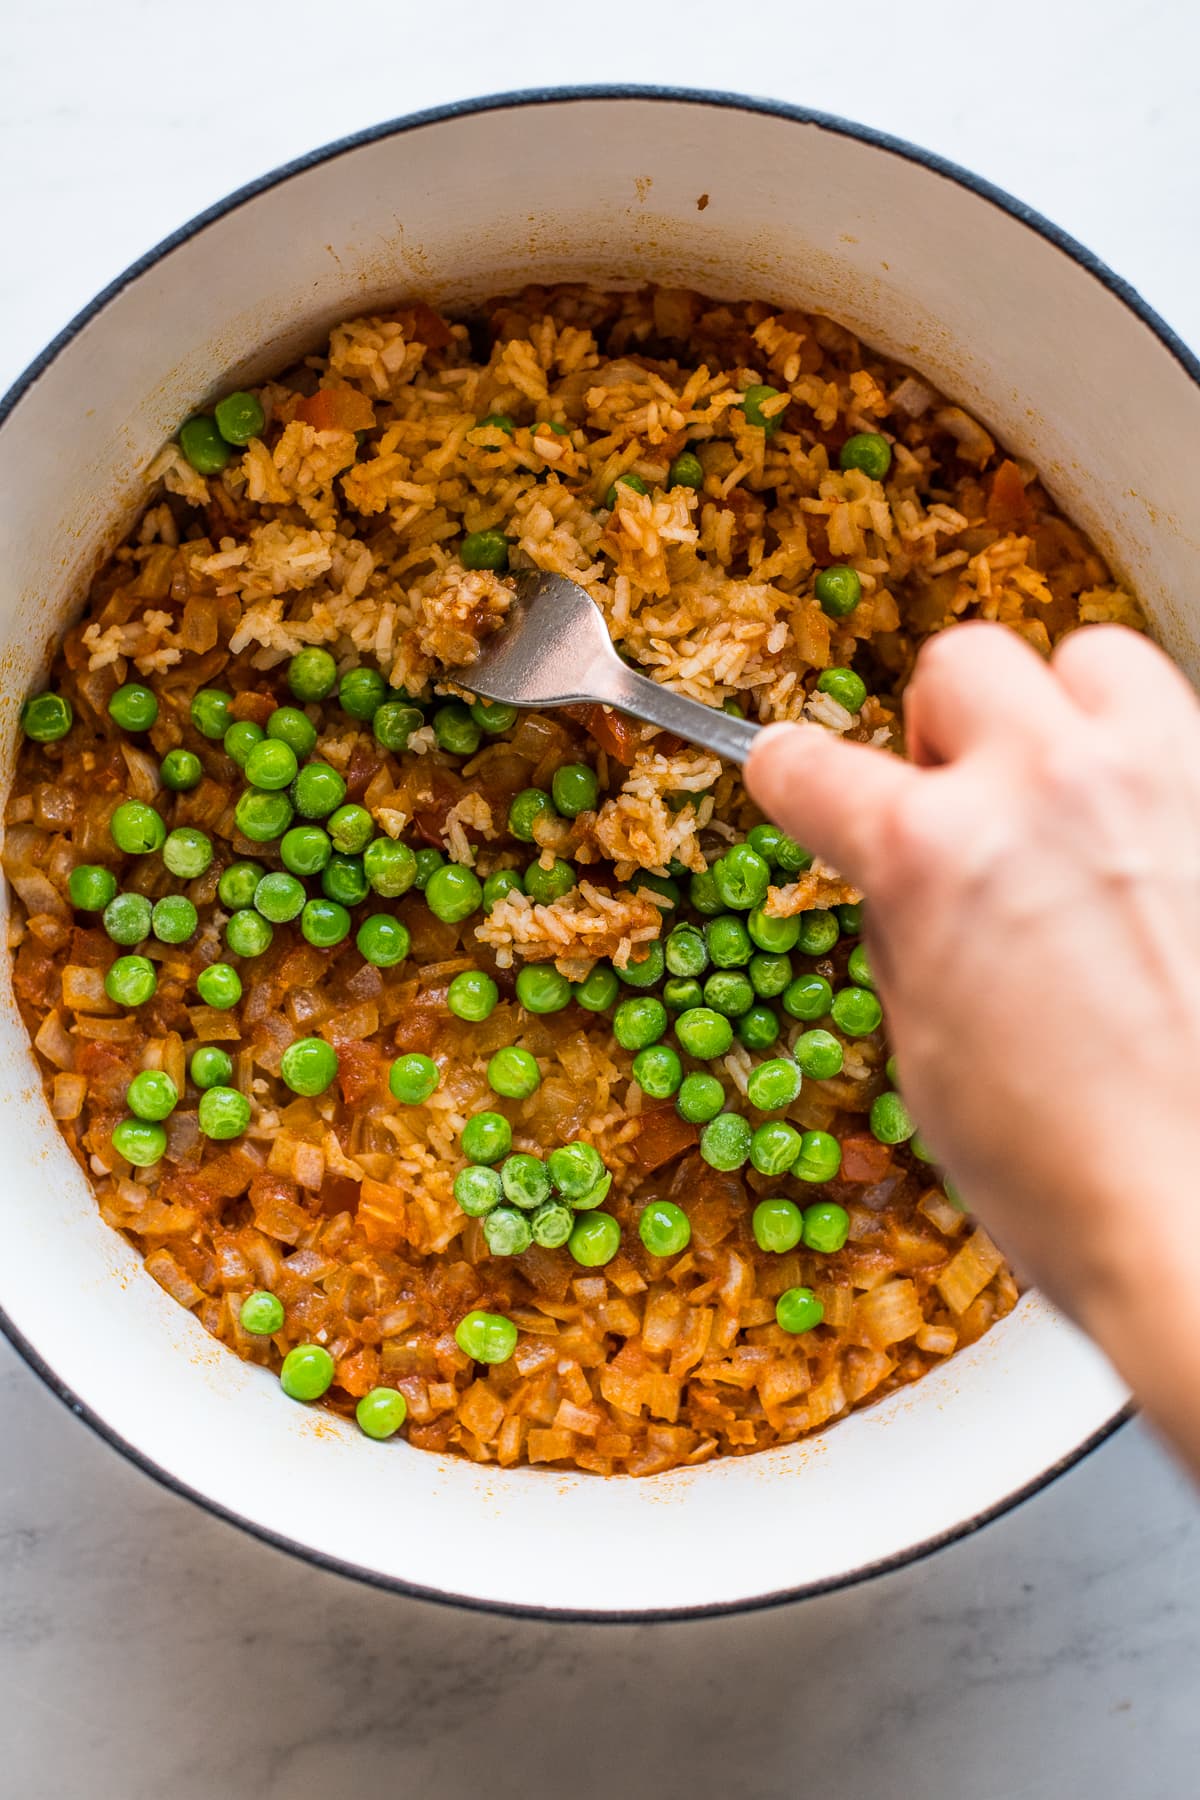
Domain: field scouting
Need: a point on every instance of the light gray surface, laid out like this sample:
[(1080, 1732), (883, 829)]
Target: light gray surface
[(147, 1650)]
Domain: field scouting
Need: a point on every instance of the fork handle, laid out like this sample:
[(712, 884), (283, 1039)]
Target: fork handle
[(647, 700)]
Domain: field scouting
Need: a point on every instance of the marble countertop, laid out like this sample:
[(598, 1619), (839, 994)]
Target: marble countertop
[(149, 1650)]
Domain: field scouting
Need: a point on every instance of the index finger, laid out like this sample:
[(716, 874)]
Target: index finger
[(830, 795)]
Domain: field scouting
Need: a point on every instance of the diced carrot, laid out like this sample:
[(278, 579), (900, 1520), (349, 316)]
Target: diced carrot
[(336, 409), (1008, 503), (865, 1159)]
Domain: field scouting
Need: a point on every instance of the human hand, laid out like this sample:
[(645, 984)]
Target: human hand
[(1033, 921)]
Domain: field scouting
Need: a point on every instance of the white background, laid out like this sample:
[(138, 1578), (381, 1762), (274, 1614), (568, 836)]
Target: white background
[(146, 1650)]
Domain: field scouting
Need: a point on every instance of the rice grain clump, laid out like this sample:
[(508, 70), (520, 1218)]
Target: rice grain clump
[(523, 1018)]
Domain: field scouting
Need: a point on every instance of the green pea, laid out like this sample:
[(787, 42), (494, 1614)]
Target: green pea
[(262, 817), (774, 1147), (575, 1170), (507, 1232), (453, 893), (599, 990), (777, 1226), (493, 716), (541, 989), (472, 995), (530, 805), (47, 717), (700, 1098), (141, 1142), (545, 886), (770, 976), (819, 1054), (765, 840), (486, 1137), (525, 1180), (219, 986), (203, 445), (702, 892), (413, 1077), (633, 482), (152, 1095), (133, 707), (280, 897), (345, 880), (317, 791), (773, 1084), (685, 951), (181, 771), (639, 1021), (808, 997), (394, 723), (826, 1227), (484, 550), (514, 1073), (324, 923), (728, 942), (239, 884), (477, 1190), (361, 692), (686, 471), (728, 991), (838, 590), (791, 858), (429, 861), (769, 933), (798, 1310), (131, 981), (595, 1239), (819, 932), (239, 417), (270, 764), (486, 1337), (455, 730), (187, 852), (734, 708), (211, 1067), (307, 1372), (223, 1113), (312, 674), (552, 1224), (575, 789), (309, 1065), (850, 917), (891, 1121), (137, 829), (664, 1228), (210, 712), (664, 892), (305, 850), (649, 971), (174, 919), (381, 1412), (91, 887), (844, 686), (240, 740), (261, 1314), (127, 918), (742, 877), (725, 1141), (920, 1149), (681, 993), (867, 451), (856, 1011), (499, 883), (658, 1071), (704, 1033), (753, 401), (820, 1157), (389, 866), (499, 422), (858, 968)]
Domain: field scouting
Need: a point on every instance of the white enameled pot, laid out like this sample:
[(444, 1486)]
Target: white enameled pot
[(736, 198)]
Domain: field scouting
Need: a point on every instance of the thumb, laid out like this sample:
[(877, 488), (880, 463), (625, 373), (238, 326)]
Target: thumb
[(829, 795)]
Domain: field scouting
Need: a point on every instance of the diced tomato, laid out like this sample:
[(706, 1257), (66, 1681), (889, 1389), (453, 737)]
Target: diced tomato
[(1008, 503), (358, 1069), (249, 705), (337, 409), (614, 733), (426, 325), (365, 761), (865, 1159), (662, 1136)]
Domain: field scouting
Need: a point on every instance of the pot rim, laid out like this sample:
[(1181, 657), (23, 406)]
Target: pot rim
[(512, 100)]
